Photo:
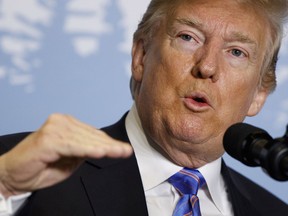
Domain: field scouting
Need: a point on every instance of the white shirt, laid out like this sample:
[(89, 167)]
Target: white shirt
[(155, 169)]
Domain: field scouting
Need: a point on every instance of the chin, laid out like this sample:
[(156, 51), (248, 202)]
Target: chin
[(190, 136), (189, 131)]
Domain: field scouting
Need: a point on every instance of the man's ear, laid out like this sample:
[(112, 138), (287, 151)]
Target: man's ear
[(138, 54), (258, 102)]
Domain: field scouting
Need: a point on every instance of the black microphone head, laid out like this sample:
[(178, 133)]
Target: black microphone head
[(238, 139)]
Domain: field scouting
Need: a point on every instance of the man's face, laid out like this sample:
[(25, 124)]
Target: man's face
[(198, 76)]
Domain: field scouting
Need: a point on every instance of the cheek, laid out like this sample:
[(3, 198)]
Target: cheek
[(237, 97), (164, 71)]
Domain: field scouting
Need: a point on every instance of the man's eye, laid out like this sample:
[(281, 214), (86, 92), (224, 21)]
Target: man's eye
[(237, 53), (186, 37)]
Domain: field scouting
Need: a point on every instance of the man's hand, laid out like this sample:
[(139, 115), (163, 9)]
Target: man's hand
[(52, 153)]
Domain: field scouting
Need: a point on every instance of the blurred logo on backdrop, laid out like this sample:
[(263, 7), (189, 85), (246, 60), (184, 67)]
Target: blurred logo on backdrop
[(25, 24)]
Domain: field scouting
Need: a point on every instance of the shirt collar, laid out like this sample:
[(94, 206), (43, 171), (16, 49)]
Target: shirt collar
[(215, 182), (155, 168)]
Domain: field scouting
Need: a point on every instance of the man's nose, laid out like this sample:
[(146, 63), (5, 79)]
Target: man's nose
[(206, 64)]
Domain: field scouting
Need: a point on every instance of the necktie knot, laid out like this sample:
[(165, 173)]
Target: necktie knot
[(187, 182)]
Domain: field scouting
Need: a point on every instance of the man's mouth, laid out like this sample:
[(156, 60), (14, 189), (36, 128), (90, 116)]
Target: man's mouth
[(200, 100), (197, 102)]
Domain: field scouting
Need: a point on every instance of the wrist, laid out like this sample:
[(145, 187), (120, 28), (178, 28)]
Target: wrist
[(5, 190)]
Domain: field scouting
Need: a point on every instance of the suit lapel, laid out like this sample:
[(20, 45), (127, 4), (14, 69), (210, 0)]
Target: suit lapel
[(114, 186), (116, 189), (240, 199)]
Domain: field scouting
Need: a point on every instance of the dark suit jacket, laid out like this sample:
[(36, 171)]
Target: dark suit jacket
[(113, 187)]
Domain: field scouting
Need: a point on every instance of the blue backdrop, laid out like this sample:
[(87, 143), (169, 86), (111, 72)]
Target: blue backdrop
[(73, 57)]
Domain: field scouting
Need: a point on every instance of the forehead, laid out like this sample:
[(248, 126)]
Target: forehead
[(225, 7), (223, 17)]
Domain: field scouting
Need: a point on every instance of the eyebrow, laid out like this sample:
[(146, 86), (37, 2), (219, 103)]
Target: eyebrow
[(189, 22), (184, 21)]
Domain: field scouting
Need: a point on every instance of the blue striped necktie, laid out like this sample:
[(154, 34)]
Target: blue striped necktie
[(186, 182)]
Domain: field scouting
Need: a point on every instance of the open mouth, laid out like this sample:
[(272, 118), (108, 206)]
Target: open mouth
[(199, 99), (197, 102)]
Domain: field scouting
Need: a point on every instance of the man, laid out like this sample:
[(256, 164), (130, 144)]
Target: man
[(198, 67)]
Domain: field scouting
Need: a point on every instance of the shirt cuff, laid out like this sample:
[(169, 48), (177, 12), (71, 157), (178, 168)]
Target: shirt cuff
[(9, 206)]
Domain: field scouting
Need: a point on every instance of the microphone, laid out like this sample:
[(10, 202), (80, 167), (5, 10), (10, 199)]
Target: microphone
[(255, 147)]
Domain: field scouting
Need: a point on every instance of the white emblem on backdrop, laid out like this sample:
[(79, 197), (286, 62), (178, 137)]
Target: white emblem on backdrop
[(22, 25), (86, 19), (21, 37)]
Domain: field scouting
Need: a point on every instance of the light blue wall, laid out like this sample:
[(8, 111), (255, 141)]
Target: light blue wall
[(73, 57)]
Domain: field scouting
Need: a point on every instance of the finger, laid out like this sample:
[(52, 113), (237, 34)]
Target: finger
[(94, 148)]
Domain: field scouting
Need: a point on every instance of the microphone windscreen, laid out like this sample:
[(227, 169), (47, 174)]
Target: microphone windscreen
[(238, 137)]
